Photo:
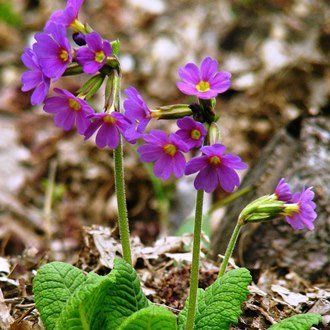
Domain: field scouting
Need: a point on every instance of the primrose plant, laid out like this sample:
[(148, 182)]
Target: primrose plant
[(66, 297)]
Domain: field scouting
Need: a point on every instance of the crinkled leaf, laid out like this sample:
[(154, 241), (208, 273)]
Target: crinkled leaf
[(151, 318), (73, 316), (52, 287), (117, 298), (220, 305), (298, 322), (106, 302)]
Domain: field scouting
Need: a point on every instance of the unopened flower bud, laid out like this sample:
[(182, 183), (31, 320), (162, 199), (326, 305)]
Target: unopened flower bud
[(79, 39), (263, 209), (214, 134), (174, 111)]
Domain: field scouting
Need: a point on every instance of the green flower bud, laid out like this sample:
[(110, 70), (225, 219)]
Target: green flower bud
[(264, 208), (214, 134), (174, 111)]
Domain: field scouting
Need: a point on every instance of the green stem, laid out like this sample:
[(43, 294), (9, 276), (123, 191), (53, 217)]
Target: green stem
[(121, 202), (230, 248), (195, 261), (120, 185)]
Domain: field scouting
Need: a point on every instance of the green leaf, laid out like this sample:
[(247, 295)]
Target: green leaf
[(104, 302), (52, 287), (116, 298), (151, 318), (73, 315), (219, 305), (298, 322)]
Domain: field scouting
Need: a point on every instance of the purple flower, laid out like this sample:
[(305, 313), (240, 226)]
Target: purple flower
[(166, 152), (93, 56), (283, 192), (69, 110), (108, 125), (206, 82), (191, 132), (137, 111), (215, 167), (53, 51), (66, 17), (304, 215), (34, 78)]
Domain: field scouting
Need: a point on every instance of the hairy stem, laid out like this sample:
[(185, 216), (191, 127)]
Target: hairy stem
[(230, 248), (120, 185), (195, 261)]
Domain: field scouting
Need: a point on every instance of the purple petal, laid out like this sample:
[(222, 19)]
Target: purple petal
[(178, 165), (228, 178), (55, 104), (190, 73), (94, 41), (215, 149), (208, 68), (93, 126), (186, 88), (233, 161), (206, 179), (196, 164), (30, 79), (82, 122), (162, 168), (40, 93), (149, 153)]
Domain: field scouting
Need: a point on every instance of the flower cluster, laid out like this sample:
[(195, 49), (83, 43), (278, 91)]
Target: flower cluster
[(51, 56), (300, 210)]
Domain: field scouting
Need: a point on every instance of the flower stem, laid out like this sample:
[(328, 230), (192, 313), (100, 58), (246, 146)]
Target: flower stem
[(230, 248), (120, 184), (121, 202), (195, 261)]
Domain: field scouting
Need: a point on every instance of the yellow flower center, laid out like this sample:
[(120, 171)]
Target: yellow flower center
[(170, 149), (215, 160), (291, 209), (99, 56), (74, 105), (78, 26), (195, 134), (64, 55), (108, 119), (203, 86)]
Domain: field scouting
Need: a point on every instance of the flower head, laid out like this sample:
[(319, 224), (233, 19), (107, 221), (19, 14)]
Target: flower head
[(215, 168), (53, 51), (191, 132), (93, 56), (302, 212), (282, 191), (69, 110), (34, 77), (108, 127), (167, 153), (67, 17), (205, 82), (137, 111)]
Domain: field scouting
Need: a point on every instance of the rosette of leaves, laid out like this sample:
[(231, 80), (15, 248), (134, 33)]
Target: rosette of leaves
[(68, 299)]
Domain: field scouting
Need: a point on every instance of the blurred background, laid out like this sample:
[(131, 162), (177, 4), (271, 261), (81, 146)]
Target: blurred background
[(277, 51)]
